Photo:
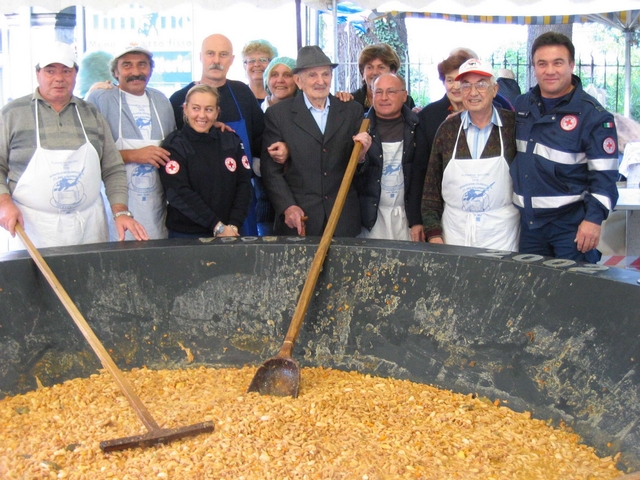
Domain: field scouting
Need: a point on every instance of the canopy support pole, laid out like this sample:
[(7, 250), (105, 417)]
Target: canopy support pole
[(628, 36), (334, 13)]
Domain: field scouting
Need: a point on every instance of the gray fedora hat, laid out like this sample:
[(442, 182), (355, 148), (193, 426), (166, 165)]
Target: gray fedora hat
[(311, 56)]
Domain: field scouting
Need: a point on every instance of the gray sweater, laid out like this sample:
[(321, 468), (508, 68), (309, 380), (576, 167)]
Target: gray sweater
[(58, 131), (108, 103)]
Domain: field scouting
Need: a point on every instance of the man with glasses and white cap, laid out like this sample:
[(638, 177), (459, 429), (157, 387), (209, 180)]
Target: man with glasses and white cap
[(140, 118), (55, 150), (467, 193)]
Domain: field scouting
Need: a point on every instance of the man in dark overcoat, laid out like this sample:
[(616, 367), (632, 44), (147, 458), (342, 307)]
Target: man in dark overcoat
[(307, 143)]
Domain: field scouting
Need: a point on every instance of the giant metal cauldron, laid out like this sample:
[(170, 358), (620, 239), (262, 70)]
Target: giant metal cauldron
[(559, 340)]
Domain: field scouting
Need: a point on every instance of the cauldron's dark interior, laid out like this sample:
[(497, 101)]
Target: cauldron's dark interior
[(564, 345)]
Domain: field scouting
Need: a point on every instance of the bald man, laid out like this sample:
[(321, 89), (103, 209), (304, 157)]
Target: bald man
[(239, 108)]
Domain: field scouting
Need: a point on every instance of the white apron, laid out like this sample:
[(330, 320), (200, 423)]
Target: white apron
[(59, 197), (147, 201), (391, 223), (478, 210)]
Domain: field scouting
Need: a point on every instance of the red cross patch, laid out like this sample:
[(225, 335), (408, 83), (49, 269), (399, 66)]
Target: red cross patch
[(231, 164), (172, 167), (569, 122), (609, 145), (245, 162)]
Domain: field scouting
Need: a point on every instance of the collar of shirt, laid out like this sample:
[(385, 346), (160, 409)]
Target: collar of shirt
[(38, 96), (477, 137), (466, 118), (320, 116)]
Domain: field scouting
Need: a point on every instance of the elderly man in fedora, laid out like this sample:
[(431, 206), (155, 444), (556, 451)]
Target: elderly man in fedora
[(307, 144)]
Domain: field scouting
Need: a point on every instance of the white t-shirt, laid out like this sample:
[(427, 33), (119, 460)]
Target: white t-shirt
[(139, 106)]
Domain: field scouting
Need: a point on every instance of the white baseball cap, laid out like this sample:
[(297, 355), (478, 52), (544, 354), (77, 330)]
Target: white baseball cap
[(133, 47), (57, 52), (473, 65)]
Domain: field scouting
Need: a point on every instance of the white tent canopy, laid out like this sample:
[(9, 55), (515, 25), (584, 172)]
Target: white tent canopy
[(462, 7), (10, 6)]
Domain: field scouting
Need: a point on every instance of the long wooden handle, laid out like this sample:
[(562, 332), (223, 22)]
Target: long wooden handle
[(325, 242), (84, 327)]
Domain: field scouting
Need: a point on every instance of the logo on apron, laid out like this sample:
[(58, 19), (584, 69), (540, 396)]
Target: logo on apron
[(68, 192), (143, 178), (476, 198)]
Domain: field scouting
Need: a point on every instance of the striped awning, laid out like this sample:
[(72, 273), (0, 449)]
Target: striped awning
[(622, 20)]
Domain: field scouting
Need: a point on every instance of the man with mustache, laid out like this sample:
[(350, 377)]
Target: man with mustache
[(140, 117), (239, 108)]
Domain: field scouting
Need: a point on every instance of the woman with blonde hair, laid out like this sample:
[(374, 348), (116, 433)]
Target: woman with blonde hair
[(256, 55), (207, 179)]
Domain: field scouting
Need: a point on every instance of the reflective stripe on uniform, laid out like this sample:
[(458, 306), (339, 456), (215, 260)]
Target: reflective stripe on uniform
[(518, 200), (603, 199), (521, 145), (558, 156), (555, 201), (601, 164)]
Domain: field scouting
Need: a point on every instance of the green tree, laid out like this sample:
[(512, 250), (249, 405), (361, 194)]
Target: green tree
[(391, 30)]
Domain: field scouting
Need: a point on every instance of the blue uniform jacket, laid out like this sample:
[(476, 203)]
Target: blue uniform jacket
[(567, 162)]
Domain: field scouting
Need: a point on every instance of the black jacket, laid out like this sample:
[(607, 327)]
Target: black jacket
[(317, 163), (368, 181), (207, 181)]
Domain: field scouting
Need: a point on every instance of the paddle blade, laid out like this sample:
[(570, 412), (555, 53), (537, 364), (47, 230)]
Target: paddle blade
[(279, 377)]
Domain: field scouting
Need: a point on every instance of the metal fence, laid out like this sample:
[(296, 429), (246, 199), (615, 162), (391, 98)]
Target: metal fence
[(607, 76)]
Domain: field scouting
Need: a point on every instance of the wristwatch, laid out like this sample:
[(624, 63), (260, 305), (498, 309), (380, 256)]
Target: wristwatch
[(218, 229), (123, 212)]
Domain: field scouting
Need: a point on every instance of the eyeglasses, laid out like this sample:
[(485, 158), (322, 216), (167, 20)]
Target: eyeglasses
[(481, 87), (253, 61), (391, 92)]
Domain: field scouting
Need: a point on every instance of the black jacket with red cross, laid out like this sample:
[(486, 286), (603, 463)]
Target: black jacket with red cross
[(207, 181), (567, 162)]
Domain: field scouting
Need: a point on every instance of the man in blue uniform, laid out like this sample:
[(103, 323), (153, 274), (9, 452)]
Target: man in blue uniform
[(564, 174)]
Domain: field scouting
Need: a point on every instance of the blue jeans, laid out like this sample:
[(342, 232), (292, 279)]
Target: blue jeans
[(555, 239)]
